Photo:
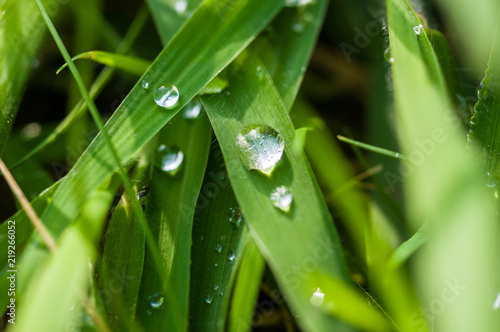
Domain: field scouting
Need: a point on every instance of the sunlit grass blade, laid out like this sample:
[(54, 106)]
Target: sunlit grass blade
[(18, 46), (246, 288), (408, 248), (444, 184), (308, 222)]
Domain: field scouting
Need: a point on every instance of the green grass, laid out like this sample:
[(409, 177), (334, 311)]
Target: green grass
[(394, 174)]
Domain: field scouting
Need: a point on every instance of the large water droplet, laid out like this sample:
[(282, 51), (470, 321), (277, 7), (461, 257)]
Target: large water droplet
[(282, 198), (317, 298), (156, 300), (218, 248), (260, 147), (169, 158), (235, 216), (208, 298), (192, 109), (167, 95), (231, 255)]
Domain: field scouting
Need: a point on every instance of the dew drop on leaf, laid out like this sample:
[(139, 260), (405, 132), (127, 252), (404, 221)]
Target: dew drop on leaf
[(192, 110), (317, 298), (208, 298), (169, 158), (235, 216), (167, 96), (260, 147), (145, 84), (282, 198), (231, 255), (218, 248), (156, 300)]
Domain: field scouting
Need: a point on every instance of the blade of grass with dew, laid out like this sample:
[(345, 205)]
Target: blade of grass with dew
[(443, 185), (123, 252), (170, 206), (21, 33), (484, 133), (246, 288), (308, 222), (219, 236), (129, 128), (102, 79), (64, 275)]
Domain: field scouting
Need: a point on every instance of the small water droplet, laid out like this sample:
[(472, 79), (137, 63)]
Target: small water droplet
[(167, 96), (297, 27), (192, 109), (490, 180), (418, 29), (317, 298), (216, 264), (156, 300), (169, 158), (216, 287), (282, 198), (180, 6), (145, 84), (260, 147), (208, 298), (35, 63), (231, 255), (31, 130), (218, 248), (496, 304), (235, 216), (221, 293), (149, 312), (202, 238)]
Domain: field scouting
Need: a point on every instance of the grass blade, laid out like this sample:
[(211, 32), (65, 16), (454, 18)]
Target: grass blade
[(308, 222), (119, 61)]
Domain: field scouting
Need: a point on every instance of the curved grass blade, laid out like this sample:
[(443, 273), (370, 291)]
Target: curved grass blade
[(308, 222), (444, 185), (21, 33), (126, 63), (170, 206), (102, 79), (219, 237)]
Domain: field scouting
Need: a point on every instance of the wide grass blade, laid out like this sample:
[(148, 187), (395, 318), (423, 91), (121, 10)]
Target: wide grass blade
[(256, 102), (443, 184)]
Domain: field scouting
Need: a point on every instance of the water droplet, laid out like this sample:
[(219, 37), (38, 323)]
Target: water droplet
[(260, 72), (35, 63), (156, 300), (180, 6), (418, 29), (218, 248), (490, 180), (221, 293), (216, 287), (167, 96), (202, 238), (192, 109), (208, 298), (282, 198), (216, 264), (297, 3), (169, 159), (235, 216), (260, 147), (317, 298), (145, 84), (31, 130), (231, 255), (297, 27), (496, 304)]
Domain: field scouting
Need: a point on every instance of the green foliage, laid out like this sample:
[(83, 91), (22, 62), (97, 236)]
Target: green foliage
[(166, 219)]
